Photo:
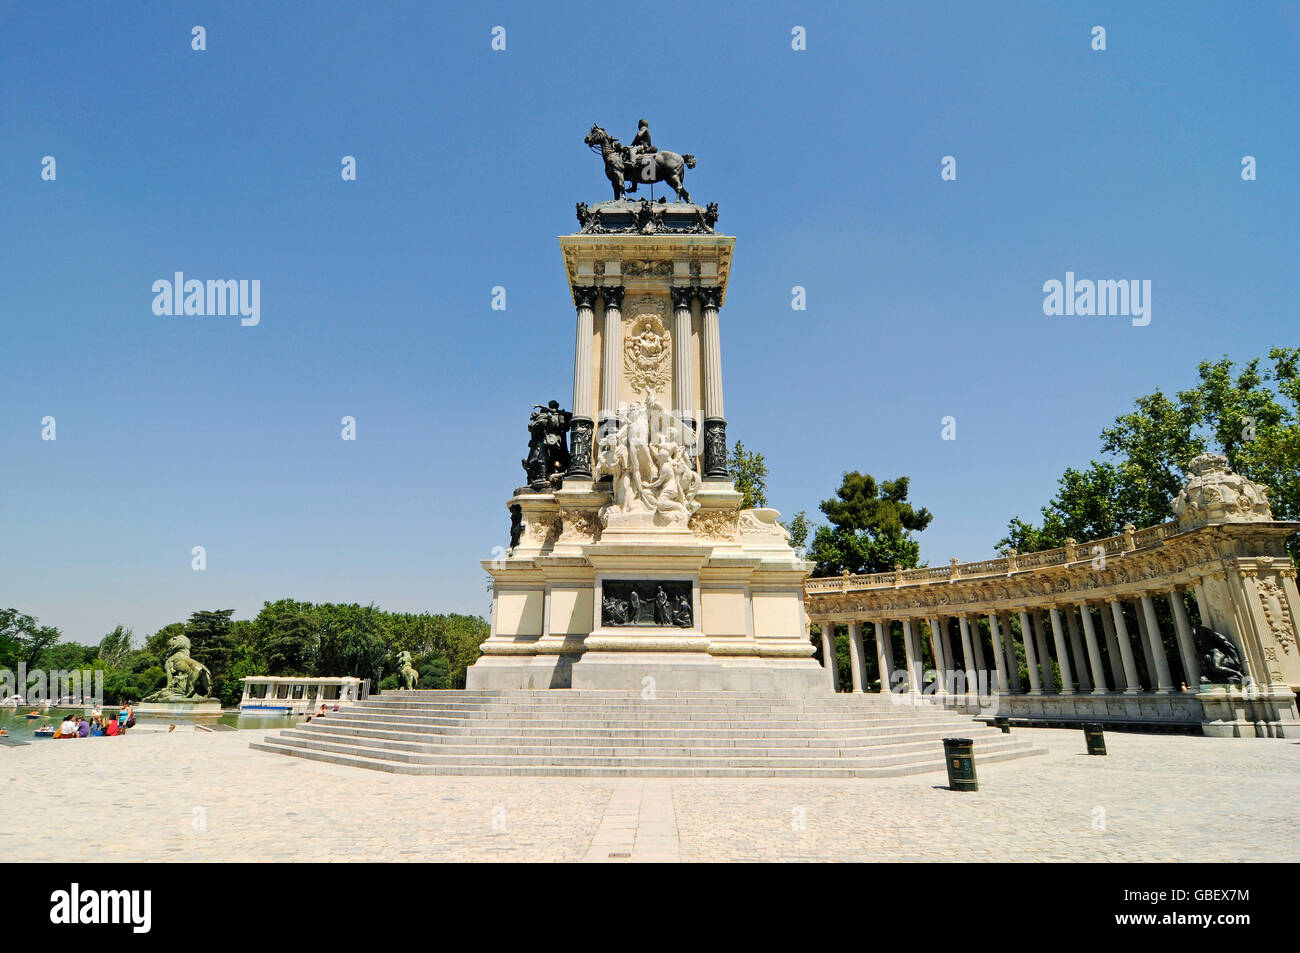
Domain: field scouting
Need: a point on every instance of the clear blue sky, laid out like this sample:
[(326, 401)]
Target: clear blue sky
[(924, 296)]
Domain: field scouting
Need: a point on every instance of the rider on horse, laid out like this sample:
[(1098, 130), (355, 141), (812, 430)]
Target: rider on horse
[(641, 146)]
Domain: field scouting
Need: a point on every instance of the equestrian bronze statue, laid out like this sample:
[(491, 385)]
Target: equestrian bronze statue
[(626, 166)]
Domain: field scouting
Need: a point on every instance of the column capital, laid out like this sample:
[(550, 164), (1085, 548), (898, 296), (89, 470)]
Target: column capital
[(681, 297), (584, 296), (710, 297), (613, 296)]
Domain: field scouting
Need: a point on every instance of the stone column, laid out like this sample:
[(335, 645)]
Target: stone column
[(1131, 684), (855, 654), (580, 428), (611, 360), (1186, 643), (968, 654), (828, 653), (683, 366), (914, 683), (715, 421), (1166, 683), (1044, 656), (978, 644), (941, 662), (1031, 654), (1112, 647), (1094, 650), (1062, 652), (1144, 643), (1013, 664), (884, 655), (1078, 662), (999, 657)]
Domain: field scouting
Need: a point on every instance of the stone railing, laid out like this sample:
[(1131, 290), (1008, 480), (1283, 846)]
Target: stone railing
[(1170, 623)]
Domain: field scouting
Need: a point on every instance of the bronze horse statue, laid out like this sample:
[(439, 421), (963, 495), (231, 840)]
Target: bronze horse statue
[(621, 166)]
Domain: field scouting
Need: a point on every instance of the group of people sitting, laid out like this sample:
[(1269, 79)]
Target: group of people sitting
[(74, 726)]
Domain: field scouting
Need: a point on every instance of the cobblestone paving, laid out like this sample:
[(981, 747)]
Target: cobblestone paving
[(191, 796)]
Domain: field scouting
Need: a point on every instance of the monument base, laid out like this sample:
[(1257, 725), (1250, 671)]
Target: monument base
[(1230, 712), (639, 671), (207, 708)]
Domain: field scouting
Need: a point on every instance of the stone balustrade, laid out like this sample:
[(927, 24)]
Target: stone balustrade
[(1191, 622)]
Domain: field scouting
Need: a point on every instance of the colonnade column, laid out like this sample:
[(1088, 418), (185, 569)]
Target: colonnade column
[(1044, 657), (1031, 654), (1077, 659), (1144, 642), (884, 655), (828, 653), (1186, 644), (968, 653), (941, 661), (715, 422), (1112, 647), (611, 357), (683, 366), (978, 643), (999, 659), (1131, 684), (913, 658), (855, 654), (1166, 683), (1094, 650), (580, 427), (1062, 651), (1013, 663)]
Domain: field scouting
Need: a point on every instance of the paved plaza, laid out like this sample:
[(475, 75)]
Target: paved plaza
[(192, 796)]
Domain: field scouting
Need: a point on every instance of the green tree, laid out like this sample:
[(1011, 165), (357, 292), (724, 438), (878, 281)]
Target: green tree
[(798, 529), (749, 474), (23, 639), (115, 648), (1250, 415), (290, 647), (871, 527)]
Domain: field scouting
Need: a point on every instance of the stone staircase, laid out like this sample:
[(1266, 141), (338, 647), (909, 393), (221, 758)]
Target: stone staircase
[(561, 733)]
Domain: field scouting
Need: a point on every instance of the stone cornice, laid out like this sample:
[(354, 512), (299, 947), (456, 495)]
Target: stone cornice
[(1162, 560)]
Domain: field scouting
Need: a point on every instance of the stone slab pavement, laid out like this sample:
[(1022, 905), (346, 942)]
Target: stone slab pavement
[(193, 796)]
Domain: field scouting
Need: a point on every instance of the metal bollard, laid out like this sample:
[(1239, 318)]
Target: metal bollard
[(959, 756), (1096, 740)]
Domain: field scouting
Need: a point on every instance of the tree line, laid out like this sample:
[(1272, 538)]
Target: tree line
[(286, 637)]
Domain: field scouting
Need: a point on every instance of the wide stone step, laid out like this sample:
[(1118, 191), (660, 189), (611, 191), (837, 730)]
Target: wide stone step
[(865, 759), (650, 736), (773, 769), (478, 724), (686, 746), (644, 728)]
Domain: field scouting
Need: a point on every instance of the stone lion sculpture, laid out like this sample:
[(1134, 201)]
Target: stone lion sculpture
[(407, 676), (187, 680)]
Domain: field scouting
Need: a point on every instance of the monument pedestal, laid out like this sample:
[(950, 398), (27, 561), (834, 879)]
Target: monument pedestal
[(208, 708), (1232, 712), (638, 570)]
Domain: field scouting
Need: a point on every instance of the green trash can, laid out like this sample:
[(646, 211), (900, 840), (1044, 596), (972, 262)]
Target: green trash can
[(1096, 740), (1004, 724), (959, 756)]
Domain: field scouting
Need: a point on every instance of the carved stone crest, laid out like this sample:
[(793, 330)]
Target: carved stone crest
[(715, 524), (647, 355)]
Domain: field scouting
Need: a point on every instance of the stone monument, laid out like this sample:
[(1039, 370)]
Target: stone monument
[(189, 685), (635, 568)]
